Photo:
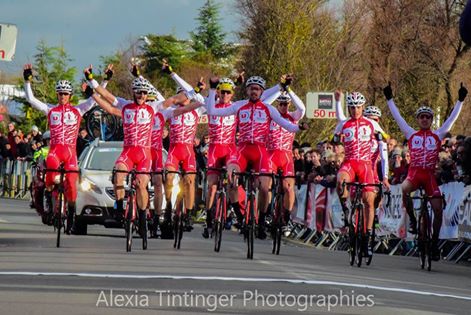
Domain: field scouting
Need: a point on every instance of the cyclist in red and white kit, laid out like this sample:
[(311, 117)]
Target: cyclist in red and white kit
[(424, 146), (64, 123), (182, 134), (357, 135), (280, 147), (253, 121), (222, 145)]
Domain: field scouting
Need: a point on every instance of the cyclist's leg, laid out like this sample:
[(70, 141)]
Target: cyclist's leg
[(123, 163), (264, 183), (408, 186), (172, 165), (189, 165), (432, 189), (71, 181), (158, 194), (236, 163), (345, 174)]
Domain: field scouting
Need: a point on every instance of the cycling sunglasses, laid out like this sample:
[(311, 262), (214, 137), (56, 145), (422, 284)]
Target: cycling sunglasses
[(225, 92)]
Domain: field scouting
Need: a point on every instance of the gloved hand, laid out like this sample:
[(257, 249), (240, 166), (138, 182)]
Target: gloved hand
[(388, 93), (240, 78), (462, 93), (136, 72), (200, 86), (213, 82), (88, 73), (286, 80), (28, 72), (86, 90), (303, 126), (166, 68), (109, 72)]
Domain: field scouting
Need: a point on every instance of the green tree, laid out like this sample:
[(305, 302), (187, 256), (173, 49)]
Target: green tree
[(50, 65), (208, 38)]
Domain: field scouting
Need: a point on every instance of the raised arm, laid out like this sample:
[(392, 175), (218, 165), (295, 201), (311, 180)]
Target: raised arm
[(338, 106), (298, 114), (28, 76), (284, 123), (383, 152), (212, 110), (448, 124), (405, 128), (103, 103), (269, 92)]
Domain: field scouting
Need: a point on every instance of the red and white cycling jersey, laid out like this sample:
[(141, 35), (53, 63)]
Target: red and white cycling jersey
[(137, 125), (358, 135), (64, 124), (280, 138), (158, 127), (183, 127), (424, 146), (222, 130)]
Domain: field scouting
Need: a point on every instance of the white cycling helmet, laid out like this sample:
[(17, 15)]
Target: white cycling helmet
[(140, 84), (424, 110), (284, 98), (226, 84), (46, 135), (372, 111), (152, 92), (256, 80), (179, 89), (355, 99), (64, 86)]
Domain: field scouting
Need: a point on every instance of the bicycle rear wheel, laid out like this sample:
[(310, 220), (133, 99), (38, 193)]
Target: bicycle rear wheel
[(359, 239), (250, 228), (422, 243), (178, 224), (277, 224)]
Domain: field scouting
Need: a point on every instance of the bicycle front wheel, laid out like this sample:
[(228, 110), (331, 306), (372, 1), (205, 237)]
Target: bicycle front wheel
[(128, 222), (60, 217), (221, 208)]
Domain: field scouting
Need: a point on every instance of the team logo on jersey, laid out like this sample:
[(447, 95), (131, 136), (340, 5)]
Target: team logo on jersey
[(430, 143), (349, 134), (129, 115), (260, 116), (228, 120), (56, 118), (189, 119), (176, 120), (417, 142), (215, 120), (143, 116), (364, 133), (244, 115), (70, 118)]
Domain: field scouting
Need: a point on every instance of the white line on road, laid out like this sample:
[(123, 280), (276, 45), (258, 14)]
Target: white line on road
[(189, 277)]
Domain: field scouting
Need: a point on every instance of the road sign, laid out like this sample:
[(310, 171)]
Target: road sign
[(320, 105), (8, 33)]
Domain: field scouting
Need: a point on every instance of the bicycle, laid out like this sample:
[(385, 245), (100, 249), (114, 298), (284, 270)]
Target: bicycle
[(220, 216), (59, 202), (180, 213), (424, 231), (131, 219), (357, 225)]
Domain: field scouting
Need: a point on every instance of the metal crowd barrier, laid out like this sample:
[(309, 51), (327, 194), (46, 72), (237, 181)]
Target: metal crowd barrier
[(15, 178)]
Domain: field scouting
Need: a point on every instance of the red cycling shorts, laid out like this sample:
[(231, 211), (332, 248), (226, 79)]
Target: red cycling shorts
[(181, 152), (253, 154), (157, 162), (282, 159), (63, 153), (218, 155), (360, 171), (138, 157), (424, 178)]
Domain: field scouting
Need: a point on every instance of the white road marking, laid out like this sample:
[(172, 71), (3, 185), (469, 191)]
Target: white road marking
[(242, 279)]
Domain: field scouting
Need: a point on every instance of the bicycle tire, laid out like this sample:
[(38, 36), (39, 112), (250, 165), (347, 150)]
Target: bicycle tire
[(373, 235), (59, 217), (144, 236), (277, 225), (221, 208), (422, 239), (178, 224), (359, 237), (93, 124), (428, 243), (250, 228), (352, 243), (129, 224)]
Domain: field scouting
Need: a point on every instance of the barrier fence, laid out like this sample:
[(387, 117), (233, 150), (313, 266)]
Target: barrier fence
[(318, 216), (15, 178)]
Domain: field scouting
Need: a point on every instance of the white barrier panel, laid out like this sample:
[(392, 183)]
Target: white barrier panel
[(334, 213), (392, 219), (464, 225), (453, 195), (300, 204)]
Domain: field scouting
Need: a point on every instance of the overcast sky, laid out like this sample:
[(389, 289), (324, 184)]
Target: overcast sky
[(93, 28)]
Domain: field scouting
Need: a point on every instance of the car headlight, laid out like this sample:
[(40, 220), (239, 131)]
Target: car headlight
[(87, 185)]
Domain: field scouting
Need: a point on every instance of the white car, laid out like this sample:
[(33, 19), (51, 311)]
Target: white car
[(96, 198)]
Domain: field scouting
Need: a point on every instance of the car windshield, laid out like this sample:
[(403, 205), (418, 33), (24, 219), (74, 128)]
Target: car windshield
[(103, 159)]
